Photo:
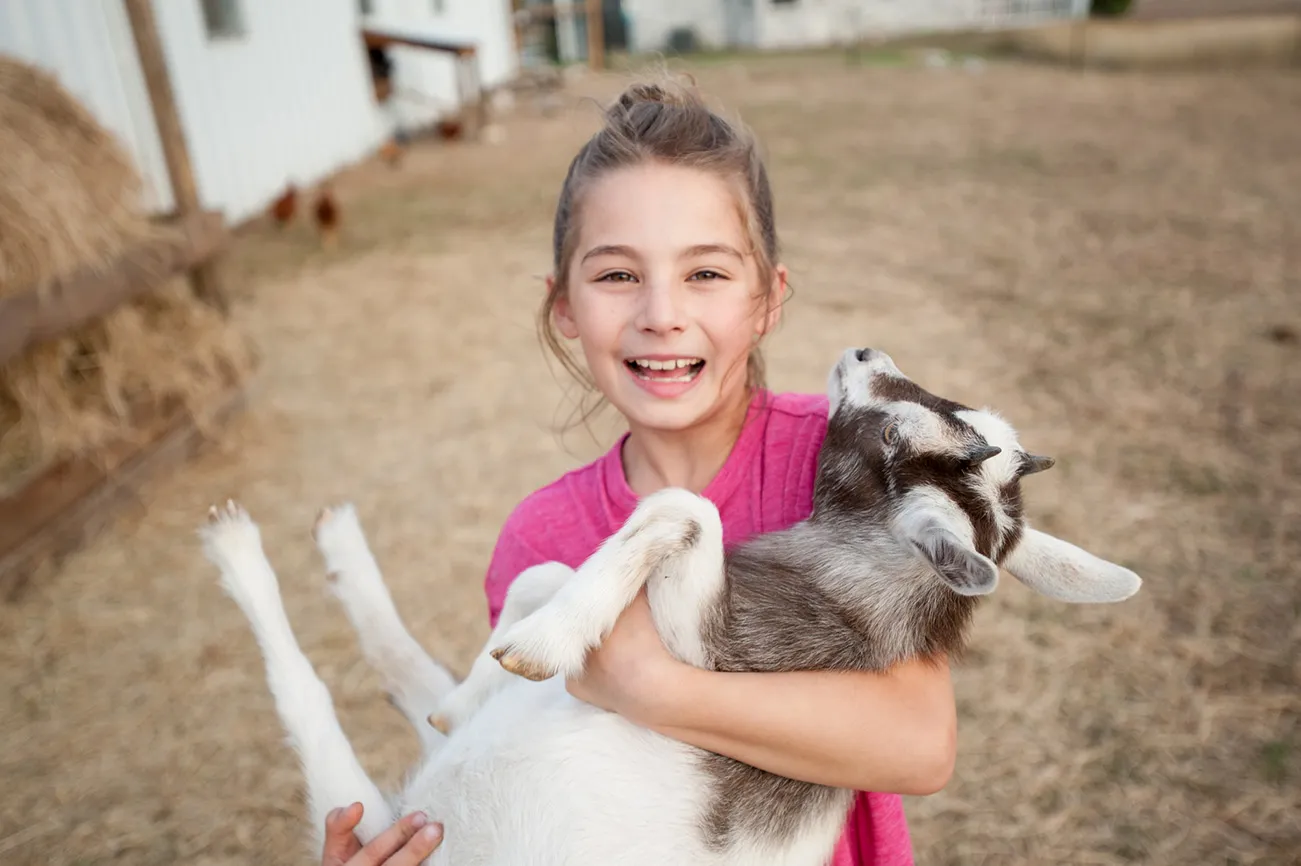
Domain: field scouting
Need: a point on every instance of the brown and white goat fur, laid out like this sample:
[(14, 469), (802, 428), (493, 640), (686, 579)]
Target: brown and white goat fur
[(917, 504)]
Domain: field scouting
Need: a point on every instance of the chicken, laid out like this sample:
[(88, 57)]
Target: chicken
[(327, 216), (283, 208), (391, 152), (451, 129)]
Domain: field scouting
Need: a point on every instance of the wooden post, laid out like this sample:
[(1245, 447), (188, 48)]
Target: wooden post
[(204, 278), (469, 87), (595, 35)]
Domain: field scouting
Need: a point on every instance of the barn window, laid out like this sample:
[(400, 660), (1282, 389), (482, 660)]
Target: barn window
[(440, 6), (222, 19), (366, 7)]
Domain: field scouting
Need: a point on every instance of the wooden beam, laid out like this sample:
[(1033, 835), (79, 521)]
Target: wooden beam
[(469, 80), (36, 315), (66, 506), (595, 35), (378, 39), (206, 277), (555, 10)]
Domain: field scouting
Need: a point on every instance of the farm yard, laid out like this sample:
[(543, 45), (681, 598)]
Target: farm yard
[(1110, 259)]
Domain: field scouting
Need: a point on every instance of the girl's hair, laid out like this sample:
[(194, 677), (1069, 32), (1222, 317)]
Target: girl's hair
[(670, 124)]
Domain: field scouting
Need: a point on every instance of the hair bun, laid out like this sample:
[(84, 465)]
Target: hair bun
[(644, 93)]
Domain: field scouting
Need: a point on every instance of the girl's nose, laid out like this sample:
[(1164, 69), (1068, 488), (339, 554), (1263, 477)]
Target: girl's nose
[(663, 307)]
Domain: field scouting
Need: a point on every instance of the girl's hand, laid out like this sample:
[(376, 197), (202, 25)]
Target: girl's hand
[(630, 669), (406, 843)]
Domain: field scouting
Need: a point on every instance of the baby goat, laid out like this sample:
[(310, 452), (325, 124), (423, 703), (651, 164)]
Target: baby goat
[(917, 504)]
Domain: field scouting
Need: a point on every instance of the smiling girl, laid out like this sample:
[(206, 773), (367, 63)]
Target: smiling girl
[(666, 275)]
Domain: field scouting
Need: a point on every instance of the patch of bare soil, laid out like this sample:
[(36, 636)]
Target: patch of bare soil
[(1111, 260)]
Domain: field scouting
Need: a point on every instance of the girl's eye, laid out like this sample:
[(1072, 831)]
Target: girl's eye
[(615, 277), (708, 275)]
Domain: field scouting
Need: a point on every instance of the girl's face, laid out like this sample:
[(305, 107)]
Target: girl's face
[(664, 297)]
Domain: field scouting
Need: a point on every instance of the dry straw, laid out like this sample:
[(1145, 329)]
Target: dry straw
[(70, 200)]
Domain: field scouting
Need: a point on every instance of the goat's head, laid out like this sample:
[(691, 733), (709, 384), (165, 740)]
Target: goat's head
[(946, 480)]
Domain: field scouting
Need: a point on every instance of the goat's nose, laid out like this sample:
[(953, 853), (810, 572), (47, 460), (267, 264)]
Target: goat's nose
[(865, 354)]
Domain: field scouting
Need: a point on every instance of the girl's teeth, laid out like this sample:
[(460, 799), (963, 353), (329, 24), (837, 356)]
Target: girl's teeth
[(665, 365), (654, 371)]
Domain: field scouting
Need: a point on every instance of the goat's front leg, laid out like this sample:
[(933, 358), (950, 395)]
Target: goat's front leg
[(530, 590), (334, 777), (416, 683), (668, 529)]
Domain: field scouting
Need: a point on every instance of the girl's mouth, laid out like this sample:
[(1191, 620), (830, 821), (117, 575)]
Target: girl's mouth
[(667, 370)]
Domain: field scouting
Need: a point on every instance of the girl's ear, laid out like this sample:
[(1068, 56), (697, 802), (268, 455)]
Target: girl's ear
[(561, 311), (776, 292)]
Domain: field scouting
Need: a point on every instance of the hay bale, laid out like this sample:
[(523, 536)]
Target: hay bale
[(69, 195), (70, 198)]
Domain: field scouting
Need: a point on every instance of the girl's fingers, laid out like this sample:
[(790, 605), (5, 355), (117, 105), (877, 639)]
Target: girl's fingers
[(340, 843), (405, 835), (421, 845)]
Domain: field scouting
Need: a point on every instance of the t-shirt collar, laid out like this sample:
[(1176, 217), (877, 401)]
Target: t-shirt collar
[(723, 484)]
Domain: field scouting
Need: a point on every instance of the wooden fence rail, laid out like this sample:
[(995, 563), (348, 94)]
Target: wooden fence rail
[(39, 314)]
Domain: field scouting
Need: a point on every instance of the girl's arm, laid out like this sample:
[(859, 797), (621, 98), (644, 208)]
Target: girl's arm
[(894, 732)]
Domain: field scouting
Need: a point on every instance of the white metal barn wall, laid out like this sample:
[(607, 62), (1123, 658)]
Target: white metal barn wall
[(88, 46), (651, 21), (287, 97), (812, 23), (808, 23), (424, 82), (821, 22), (997, 14)]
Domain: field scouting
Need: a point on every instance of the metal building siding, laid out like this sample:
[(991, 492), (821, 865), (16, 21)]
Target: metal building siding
[(288, 100), (425, 81), (823, 22), (811, 23), (651, 22)]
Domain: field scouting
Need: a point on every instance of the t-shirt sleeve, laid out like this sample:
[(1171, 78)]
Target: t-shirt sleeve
[(512, 555)]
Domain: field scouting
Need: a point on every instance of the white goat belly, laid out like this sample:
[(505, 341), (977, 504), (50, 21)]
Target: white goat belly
[(608, 791)]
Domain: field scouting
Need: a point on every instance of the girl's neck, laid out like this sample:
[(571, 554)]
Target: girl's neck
[(655, 459)]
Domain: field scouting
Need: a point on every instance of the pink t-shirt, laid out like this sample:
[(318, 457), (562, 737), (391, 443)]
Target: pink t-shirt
[(765, 485)]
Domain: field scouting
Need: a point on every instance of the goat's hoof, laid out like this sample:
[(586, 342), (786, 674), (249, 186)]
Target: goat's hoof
[(322, 517), (519, 666), (440, 723), (231, 511)]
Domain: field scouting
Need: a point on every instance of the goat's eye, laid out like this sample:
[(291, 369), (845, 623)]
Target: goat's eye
[(890, 433)]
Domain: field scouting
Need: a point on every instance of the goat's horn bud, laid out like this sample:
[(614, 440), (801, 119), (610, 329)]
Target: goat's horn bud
[(979, 455), (1032, 463)]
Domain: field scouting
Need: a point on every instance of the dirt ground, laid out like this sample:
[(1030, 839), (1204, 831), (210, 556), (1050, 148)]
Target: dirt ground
[(1112, 260)]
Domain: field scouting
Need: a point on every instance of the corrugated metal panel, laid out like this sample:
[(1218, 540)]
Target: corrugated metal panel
[(425, 81), (651, 22), (825, 22), (288, 99)]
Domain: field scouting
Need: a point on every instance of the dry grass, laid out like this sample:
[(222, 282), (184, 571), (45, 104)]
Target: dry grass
[(1111, 260), (70, 201), (69, 195)]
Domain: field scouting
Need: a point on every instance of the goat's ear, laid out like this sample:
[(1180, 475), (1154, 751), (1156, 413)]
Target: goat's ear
[(1060, 570), (963, 569)]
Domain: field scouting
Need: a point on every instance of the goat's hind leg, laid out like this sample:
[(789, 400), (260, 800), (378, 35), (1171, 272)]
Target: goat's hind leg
[(333, 775), (533, 588), (416, 683), (668, 532)]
